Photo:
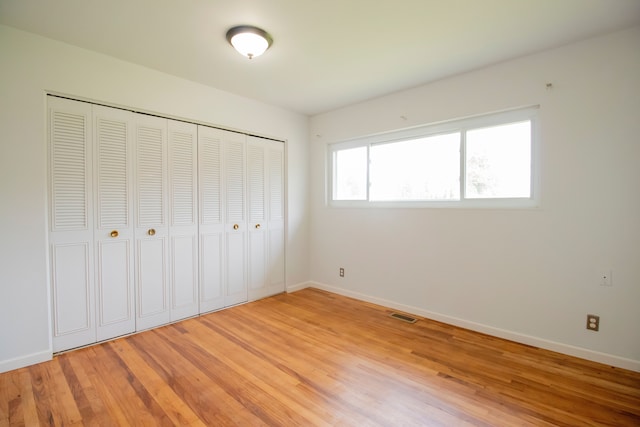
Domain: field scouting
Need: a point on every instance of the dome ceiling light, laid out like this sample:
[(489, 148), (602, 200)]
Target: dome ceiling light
[(248, 40)]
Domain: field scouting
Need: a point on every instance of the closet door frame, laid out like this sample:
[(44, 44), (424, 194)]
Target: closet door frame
[(139, 256)]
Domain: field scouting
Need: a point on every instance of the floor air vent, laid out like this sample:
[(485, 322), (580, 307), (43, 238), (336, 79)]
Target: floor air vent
[(403, 317)]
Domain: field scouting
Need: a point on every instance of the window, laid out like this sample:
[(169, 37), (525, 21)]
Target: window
[(483, 161)]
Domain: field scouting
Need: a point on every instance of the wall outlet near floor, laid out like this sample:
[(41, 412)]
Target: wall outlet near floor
[(593, 322), (341, 272)]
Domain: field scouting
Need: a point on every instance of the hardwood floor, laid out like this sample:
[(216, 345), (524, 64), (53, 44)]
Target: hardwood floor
[(315, 358)]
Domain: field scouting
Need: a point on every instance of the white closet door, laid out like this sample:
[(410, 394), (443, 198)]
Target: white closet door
[(276, 215), (114, 231), (266, 212), (183, 230), (257, 212), (151, 222), (71, 223), (211, 230), (234, 149)]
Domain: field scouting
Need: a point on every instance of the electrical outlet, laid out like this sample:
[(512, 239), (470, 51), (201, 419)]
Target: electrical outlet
[(593, 322), (341, 272)]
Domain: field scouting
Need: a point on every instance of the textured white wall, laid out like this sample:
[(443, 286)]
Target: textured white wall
[(32, 66), (532, 274)]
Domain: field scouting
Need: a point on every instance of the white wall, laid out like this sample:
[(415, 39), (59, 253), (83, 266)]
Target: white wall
[(531, 275), (32, 66)]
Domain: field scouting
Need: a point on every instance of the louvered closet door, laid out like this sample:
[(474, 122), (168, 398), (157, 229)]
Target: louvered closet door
[(276, 196), (183, 230), (235, 218), (71, 223), (265, 164), (257, 212), (114, 231), (151, 222), (212, 227)]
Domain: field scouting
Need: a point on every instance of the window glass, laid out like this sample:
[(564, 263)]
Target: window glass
[(420, 169), (498, 161), (350, 182)]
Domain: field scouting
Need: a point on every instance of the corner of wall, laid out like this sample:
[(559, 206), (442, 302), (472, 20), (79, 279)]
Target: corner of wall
[(29, 359)]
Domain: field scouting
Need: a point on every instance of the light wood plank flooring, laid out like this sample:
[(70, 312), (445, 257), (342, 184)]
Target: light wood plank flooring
[(315, 358)]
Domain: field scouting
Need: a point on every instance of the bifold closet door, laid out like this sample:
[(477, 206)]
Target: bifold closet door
[(114, 231), (223, 225), (71, 223), (265, 201), (151, 222), (211, 230), (183, 230), (276, 209), (257, 212), (235, 219)]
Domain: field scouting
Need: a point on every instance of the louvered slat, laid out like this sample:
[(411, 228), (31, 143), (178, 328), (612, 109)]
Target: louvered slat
[(255, 157), (276, 180), (182, 178), (209, 154), (68, 172), (112, 173), (150, 176), (234, 166)]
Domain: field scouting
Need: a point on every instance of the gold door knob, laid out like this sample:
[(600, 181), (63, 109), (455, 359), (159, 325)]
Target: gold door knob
[(236, 226), (257, 226), (151, 232), (114, 233)]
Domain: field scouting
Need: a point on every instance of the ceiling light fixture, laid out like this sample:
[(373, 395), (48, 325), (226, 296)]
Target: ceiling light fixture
[(248, 40)]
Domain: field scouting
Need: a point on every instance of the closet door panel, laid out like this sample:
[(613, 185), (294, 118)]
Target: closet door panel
[(114, 231), (265, 199), (257, 212), (153, 301), (212, 271), (71, 223), (234, 149), (276, 219), (236, 291), (276, 264), (73, 324), (115, 289), (211, 229), (151, 222), (257, 261), (183, 230), (184, 276)]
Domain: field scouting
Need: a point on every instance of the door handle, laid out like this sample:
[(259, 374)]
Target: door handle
[(151, 232), (257, 226), (114, 233), (236, 226)]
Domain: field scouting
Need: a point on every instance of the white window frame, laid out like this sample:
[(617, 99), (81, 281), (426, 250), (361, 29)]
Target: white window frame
[(462, 126)]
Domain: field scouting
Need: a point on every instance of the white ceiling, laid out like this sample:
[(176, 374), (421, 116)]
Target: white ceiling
[(326, 53)]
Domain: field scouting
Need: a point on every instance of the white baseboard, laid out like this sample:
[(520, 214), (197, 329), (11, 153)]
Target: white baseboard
[(21, 362), (583, 353), (298, 287)]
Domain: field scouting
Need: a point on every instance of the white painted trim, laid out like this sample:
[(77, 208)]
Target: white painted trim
[(583, 353), (21, 362), (299, 287)]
